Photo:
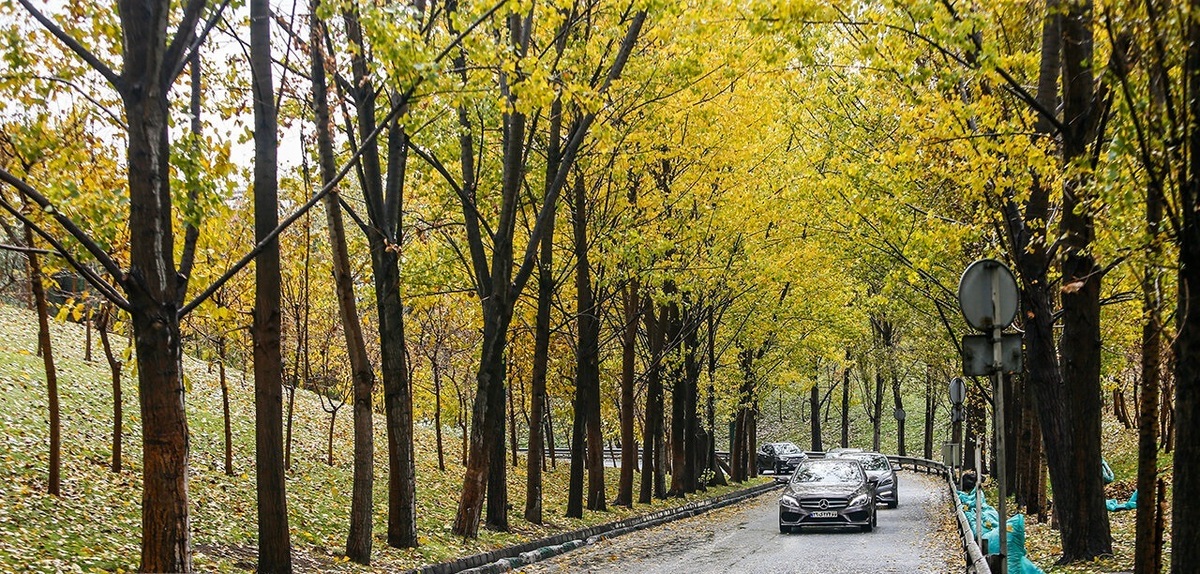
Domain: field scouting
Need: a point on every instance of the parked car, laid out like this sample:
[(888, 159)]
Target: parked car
[(880, 469), (781, 458), (841, 451), (828, 492)]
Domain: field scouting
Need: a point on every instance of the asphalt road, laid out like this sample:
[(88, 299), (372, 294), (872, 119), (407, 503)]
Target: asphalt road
[(917, 537)]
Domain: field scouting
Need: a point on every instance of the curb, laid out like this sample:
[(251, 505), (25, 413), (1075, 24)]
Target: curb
[(506, 559)]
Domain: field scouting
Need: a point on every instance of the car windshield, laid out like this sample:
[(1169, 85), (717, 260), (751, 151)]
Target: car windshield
[(787, 449), (828, 473), (874, 462)]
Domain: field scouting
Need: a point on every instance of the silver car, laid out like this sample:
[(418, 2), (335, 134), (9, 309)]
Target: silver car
[(879, 469), (828, 492)]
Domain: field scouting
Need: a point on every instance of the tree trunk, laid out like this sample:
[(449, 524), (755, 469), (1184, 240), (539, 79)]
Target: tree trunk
[(228, 420), (329, 436), (104, 321), (630, 297), (545, 300), (678, 405), (87, 330), (693, 435), (752, 438), (898, 404), (845, 442), (1185, 543), (718, 477), (512, 428), (652, 451), (550, 434), (496, 317), (1147, 548), (437, 418), (1086, 531), (287, 434), (54, 480), (930, 413), (541, 358), (462, 427), (384, 203), (274, 545), (877, 417), (497, 483), (814, 408), (359, 538)]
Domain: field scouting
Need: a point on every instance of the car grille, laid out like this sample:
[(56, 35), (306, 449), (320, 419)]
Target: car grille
[(830, 503)]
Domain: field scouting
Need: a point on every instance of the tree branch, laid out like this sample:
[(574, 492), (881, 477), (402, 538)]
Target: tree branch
[(33, 250), (74, 45), (397, 108), (110, 266), (194, 45), (108, 291)]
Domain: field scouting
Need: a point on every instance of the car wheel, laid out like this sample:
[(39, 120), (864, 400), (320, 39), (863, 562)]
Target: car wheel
[(784, 529), (874, 519), (868, 527)]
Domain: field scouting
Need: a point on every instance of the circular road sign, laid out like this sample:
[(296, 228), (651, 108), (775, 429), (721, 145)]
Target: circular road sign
[(981, 282), (958, 391)]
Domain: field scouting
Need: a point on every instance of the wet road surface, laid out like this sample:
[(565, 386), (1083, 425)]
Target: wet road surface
[(917, 537)]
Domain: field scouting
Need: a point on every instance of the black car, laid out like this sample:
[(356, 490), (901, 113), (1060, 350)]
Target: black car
[(779, 457), (828, 492), (879, 469)]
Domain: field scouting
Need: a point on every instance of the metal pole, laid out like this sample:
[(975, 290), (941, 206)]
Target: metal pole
[(998, 420), (978, 493)]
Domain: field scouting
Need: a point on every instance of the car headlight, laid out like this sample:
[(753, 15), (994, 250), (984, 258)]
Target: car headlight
[(789, 501), (860, 500), (887, 480)]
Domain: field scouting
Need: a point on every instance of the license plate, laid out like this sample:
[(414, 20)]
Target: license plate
[(824, 514)]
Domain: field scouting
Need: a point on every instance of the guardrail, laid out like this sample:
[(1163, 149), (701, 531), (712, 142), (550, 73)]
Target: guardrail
[(976, 563)]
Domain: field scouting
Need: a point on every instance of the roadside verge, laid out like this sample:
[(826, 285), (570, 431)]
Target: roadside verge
[(505, 559)]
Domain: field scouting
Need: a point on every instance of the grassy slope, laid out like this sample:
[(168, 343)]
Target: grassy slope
[(95, 525), (1120, 450)]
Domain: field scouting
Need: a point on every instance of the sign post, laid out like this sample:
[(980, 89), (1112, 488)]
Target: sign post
[(987, 295), (958, 393)]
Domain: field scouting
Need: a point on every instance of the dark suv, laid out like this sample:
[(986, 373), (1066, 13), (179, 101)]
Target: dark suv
[(781, 458)]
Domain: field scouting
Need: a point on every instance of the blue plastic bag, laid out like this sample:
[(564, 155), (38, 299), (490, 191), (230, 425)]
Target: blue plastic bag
[(1016, 559)]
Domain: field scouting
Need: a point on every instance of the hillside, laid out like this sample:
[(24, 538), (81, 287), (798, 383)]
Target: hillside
[(95, 525)]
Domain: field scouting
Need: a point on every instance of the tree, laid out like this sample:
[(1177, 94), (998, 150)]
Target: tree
[(358, 541), (274, 543), (497, 285), (152, 292)]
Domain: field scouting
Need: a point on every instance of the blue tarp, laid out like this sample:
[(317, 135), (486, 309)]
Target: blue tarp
[(1018, 562), (1115, 505)]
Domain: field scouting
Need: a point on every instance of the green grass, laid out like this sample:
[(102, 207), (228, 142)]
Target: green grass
[(95, 525)]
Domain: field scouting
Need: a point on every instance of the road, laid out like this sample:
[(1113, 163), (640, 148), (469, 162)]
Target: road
[(917, 537)]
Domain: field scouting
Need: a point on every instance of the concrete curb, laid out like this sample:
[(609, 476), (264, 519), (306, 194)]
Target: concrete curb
[(506, 559)]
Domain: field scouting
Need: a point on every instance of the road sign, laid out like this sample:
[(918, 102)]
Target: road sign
[(987, 295), (977, 354), (958, 391)]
